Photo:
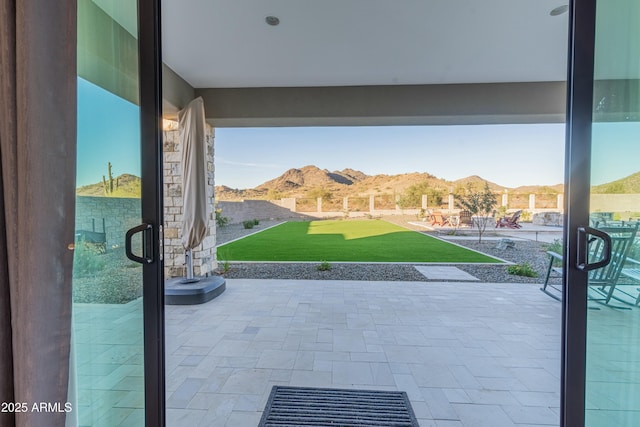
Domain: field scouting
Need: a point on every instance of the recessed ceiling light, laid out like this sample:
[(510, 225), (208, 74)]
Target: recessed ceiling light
[(272, 20), (559, 10)]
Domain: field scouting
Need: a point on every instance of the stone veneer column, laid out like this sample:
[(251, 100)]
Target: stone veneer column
[(204, 256)]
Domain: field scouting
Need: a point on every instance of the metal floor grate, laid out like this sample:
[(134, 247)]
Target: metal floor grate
[(302, 406)]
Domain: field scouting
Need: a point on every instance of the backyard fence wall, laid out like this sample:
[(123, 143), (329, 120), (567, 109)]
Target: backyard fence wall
[(616, 203), (363, 206), (240, 211), (119, 214)]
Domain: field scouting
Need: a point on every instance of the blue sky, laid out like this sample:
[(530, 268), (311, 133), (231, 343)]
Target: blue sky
[(509, 155), (615, 151), (108, 131)]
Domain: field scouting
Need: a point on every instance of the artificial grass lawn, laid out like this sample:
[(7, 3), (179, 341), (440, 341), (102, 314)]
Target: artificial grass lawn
[(348, 241)]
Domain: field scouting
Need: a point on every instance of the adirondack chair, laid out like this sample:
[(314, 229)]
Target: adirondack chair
[(509, 221), (602, 281), (438, 219)]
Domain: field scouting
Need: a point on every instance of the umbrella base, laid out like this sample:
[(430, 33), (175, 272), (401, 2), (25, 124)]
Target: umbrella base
[(207, 288)]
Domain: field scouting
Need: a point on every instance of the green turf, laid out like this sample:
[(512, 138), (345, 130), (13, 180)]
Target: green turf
[(353, 241)]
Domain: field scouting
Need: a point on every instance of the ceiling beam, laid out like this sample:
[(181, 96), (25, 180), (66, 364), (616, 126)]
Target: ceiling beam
[(447, 104), (176, 93)]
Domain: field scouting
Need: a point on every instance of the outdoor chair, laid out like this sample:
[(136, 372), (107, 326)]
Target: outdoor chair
[(602, 281), (438, 219), (509, 221), (466, 219), (428, 215), (630, 273)]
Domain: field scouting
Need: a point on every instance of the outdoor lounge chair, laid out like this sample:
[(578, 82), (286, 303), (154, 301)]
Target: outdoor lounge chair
[(438, 219), (509, 221), (602, 281)]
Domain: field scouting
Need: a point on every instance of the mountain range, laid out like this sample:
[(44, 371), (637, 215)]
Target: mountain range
[(299, 182), (626, 185)]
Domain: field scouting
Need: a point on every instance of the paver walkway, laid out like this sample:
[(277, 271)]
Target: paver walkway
[(467, 354), (437, 272)]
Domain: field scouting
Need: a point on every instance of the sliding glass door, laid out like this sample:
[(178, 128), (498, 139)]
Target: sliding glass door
[(117, 363), (602, 315)]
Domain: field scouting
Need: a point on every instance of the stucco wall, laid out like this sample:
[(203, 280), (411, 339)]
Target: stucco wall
[(615, 203)]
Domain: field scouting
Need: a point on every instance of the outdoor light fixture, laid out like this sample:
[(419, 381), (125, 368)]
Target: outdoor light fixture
[(559, 10), (169, 124), (272, 20)]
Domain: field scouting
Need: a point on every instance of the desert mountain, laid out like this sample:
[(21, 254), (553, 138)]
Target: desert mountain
[(627, 185), (311, 177), (475, 181), (125, 185), (299, 182)]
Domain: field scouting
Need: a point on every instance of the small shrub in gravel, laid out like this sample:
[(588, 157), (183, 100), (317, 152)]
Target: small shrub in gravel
[(225, 266), (248, 224), (523, 269), (556, 246), (87, 262), (324, 266), (221, 221)]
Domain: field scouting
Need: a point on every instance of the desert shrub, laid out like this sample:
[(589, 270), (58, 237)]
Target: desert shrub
[(221, 221), (320, 193), (86, 261), (555, 246), (223, 265), (248, 224), (256, 222), (324, 266), (522, 269), (412, 197)]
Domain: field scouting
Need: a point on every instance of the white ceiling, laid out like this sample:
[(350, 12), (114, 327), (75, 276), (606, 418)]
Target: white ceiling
[(226, 43)]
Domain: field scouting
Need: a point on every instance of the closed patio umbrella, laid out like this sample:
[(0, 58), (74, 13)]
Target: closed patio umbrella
[(194, 179)]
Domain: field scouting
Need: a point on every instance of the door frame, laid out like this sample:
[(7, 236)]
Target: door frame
[(582, 17), (580, 71), (150, 80)]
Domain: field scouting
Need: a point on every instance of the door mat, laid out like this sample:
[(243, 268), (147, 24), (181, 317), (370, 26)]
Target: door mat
[(304, 406)]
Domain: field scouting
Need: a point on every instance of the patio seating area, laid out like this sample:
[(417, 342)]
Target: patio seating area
[(541, 233), (481, 354)]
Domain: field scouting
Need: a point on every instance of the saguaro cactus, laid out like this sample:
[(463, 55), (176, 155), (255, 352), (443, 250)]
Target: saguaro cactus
[(108, 185)]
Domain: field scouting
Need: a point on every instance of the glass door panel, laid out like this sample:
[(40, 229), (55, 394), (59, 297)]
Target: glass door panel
[(612, 384), (108, 334)]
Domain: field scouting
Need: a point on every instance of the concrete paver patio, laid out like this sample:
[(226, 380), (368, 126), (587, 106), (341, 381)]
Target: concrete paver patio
[(467, 354)]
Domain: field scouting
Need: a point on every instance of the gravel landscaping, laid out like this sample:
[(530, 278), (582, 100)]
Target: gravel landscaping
[(528, 251), (106, 278)]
